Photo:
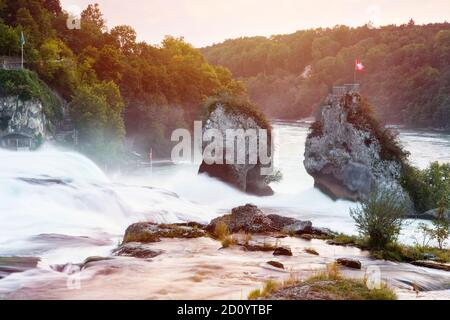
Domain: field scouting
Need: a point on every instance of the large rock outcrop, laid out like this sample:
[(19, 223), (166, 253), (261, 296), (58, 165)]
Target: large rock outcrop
[(246, 177), (24, 117), (250, 219), (349, 154)]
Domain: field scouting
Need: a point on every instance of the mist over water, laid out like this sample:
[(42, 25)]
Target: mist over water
[(51, 198)]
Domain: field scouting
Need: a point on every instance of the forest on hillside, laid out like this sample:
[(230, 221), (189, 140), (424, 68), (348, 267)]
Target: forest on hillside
[(406, 76), (116, 87)]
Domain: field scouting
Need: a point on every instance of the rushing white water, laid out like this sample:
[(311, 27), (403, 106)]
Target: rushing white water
[(55, 192)]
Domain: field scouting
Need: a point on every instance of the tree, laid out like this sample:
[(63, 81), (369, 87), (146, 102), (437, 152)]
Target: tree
[(9, 40), (54, 6), (124, 38), (93, 15), (109, 64), (96, 111)]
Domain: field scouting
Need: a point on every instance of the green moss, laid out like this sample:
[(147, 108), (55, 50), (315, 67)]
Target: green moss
[(27, 86), (401, 253), (327, 285), (350, 289), (394, 251), (238, 105), (363, 118)]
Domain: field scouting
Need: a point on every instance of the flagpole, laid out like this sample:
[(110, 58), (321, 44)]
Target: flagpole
[(22, 42)]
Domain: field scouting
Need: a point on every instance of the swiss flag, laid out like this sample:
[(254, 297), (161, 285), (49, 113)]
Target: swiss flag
[(358, 65)]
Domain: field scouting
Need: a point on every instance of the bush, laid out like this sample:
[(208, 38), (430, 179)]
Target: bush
[(379, 218), (427, 188)]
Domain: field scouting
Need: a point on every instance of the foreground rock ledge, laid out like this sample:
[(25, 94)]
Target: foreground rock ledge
[(250, 219), (147, 232)]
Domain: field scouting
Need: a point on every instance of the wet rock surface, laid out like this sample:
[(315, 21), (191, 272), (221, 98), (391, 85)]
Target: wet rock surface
[(276, 264), (147, 232), (349, 263), (432, 265), (136, 250), (250, 219), (282, 251)]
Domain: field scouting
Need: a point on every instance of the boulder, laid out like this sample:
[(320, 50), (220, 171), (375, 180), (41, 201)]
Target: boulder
[(246, 176), (349, 263), (290, 225), (282, 251), (311, 251), (147, 232), (276, 264), (250, 219), (344, 154), (432, 265), (433, 214), (136, 250)]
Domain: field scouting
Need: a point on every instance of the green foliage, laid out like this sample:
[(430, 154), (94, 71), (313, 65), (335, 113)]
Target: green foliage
[(276, 176), (162, 87), (441, 224), (407, 71), (427, 188), (396, 251), (234, 104), (329, 284), (26, 85), (402, 253), (9, 40), (379, 217), (96, 111)]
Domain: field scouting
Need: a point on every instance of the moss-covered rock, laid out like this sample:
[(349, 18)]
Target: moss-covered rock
[(350, 154), (224, 113), (147, 232)]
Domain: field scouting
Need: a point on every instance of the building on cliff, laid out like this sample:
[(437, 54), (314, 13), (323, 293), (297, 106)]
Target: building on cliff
[(17, 141), (10, 63), (340, 91)]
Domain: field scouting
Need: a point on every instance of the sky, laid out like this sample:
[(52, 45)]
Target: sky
[(205, 22)]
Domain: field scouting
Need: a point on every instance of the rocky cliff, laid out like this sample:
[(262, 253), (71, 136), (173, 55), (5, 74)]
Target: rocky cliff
[(349, 154), (247, 176), (25, 117)]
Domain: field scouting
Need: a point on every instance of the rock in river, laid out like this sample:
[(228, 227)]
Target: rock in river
[(246, 176), (250, 219), (349, 153), (147, 232)]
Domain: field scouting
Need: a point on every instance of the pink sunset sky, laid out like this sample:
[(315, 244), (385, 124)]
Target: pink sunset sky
[(204, 22)]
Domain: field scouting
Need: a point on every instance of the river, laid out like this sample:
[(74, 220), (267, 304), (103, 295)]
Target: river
[(59, 206)]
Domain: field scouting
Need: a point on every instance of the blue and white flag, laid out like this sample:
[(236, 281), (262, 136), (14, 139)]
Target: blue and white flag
[(22, 39)]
